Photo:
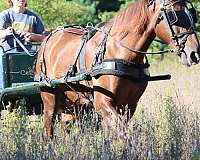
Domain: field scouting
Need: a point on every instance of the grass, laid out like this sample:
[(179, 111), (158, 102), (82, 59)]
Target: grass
[(166, 126)]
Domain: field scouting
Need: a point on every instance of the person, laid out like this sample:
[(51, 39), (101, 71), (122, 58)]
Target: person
[(21, 20)]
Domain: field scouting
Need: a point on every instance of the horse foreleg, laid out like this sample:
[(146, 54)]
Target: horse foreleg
[(106, 108), (130, 110), (66, 121), (126, 112), (49, 114)]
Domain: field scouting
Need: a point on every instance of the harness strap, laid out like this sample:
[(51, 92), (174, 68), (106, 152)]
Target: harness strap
[(100, 50), (175, 36), (119, 67), (141, 52), (82, 51), (43, 68), (85, 39)]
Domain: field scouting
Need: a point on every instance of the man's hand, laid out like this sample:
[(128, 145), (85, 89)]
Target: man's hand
[(6, 32), (28, 37)]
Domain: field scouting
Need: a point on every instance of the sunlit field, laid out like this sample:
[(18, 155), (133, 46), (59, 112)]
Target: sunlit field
[(166, 125)]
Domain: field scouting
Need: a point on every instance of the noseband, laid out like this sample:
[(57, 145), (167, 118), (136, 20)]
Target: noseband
[(179, 38)]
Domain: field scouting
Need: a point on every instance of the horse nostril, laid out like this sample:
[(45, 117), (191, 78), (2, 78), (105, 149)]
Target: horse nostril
[(194, 57)]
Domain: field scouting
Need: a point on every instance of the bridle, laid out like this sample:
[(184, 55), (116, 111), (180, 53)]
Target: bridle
[(180, 39)]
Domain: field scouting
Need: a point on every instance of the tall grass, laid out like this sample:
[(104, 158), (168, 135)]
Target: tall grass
[(166, 125)]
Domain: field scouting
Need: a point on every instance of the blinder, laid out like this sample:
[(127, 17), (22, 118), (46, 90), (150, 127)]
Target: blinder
[(182, 18), (179, 18), (174, 16)]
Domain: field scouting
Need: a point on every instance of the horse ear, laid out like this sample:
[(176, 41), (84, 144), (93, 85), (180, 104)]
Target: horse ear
[(192, 11), (150, 2), (194, 14)]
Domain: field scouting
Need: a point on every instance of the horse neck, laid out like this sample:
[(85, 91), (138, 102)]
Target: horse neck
[(133, 27)]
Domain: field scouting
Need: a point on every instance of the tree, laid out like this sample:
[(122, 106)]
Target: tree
[(59, 12)]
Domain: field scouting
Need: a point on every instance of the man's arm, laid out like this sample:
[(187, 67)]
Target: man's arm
[(33, 37)]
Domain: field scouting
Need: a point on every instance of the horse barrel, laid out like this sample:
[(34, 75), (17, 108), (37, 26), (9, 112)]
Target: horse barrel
[(18, 70)]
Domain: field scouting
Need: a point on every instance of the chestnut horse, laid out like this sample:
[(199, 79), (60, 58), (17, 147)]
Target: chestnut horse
[(122, 42)]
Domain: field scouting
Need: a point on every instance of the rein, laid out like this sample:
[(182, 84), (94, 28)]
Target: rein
[(128, 48), (141, 52), (21, 44)]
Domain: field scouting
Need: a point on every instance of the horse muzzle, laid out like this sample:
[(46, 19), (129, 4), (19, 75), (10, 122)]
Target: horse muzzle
[(190, 57), (195, 57)]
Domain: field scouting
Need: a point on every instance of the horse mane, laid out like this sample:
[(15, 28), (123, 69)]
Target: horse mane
[(134, 15)]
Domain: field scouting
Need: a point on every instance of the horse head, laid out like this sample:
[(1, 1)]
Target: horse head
[(175, 25)]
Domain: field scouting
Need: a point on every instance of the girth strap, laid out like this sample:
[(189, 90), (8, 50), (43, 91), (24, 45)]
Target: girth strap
[(119, 67)]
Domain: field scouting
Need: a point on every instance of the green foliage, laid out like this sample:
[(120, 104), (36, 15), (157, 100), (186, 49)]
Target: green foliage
[(71, 12), (17, 128), (197, 7), (3, 5), (196, 156), (126, 2), (106, 16), (59, 12)]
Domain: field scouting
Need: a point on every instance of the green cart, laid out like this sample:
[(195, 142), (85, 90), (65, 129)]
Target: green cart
[(18, 70)]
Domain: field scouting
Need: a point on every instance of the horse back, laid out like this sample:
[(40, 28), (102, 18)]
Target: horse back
[(58, 52)]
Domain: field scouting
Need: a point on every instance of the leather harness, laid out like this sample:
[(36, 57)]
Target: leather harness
[(118, 67)]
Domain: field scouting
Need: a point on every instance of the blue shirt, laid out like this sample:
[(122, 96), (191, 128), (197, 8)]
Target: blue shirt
[(21, 22)]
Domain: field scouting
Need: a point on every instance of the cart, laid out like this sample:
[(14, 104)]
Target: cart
[(18, 70)]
